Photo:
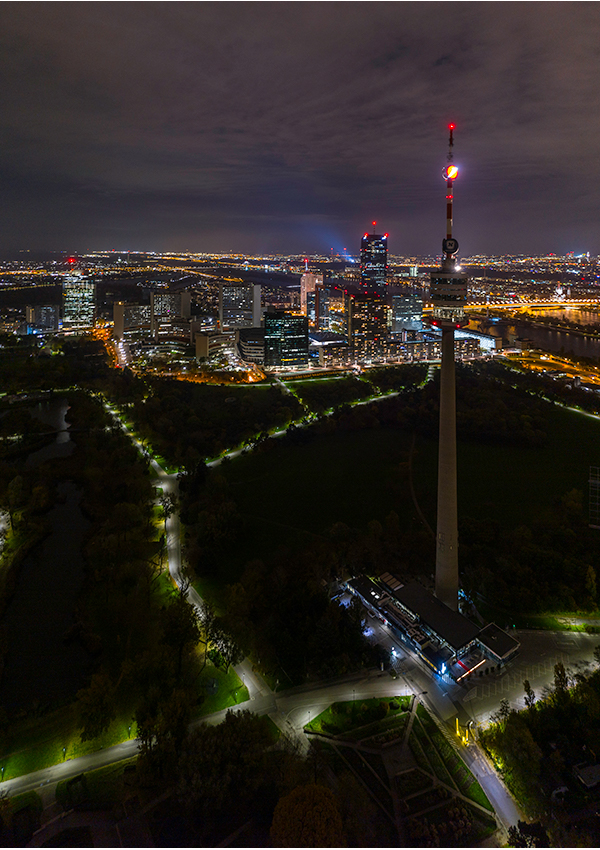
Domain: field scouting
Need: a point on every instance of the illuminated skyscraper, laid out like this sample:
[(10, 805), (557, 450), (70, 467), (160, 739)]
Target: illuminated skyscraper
[(308, 283), (449, 295), (286, 339), (79, 302), (373, 263), (366, 316), (170, 305)]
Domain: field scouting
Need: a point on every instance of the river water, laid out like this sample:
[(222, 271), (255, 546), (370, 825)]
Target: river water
[(545, 339), (53, 414), (573, 314), (40, 667)]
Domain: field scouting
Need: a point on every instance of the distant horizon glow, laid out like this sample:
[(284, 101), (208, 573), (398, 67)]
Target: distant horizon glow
[(186, 127)]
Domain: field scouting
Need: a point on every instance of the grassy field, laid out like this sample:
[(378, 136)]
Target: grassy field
[(34, 743), (101, 789), (352, 718), (358, 476)]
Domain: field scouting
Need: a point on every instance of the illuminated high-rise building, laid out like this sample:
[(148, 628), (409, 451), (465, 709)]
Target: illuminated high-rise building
[(373, 263), (135, 318), (79, 302), (407, 313), (286, 340), (239, 305), (448, 290), (366, 317), (308, 283), (170, 305)]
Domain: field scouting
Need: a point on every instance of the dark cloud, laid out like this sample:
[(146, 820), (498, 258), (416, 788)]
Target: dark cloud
[(222, 125)]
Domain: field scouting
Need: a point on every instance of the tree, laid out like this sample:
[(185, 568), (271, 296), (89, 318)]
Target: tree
[(227, 647), (529, 694), (528, 835), (307, 817), (221, 766), (180, 626), (169, 505), (561, 684), (96, 705)]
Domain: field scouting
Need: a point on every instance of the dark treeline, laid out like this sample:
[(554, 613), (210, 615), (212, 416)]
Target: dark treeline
[(188, 422), (546, 566), (241, 773), (537, 748), (141, 637), (24, 366)]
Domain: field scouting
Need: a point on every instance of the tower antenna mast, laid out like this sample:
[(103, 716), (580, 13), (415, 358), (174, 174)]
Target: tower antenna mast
[(449, 173)]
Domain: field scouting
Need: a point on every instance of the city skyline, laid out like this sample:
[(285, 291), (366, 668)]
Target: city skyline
[(189, 127)]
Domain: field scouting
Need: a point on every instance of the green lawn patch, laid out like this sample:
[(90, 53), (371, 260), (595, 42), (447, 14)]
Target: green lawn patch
[(376, 763), (358, 719), (96, 789), (221, 690), (461, 775), (29, 799), (432, 754), (273, 728), (418, 752)]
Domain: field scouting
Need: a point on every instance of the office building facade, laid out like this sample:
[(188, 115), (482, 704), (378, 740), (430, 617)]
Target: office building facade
[(286, 340), (373, 263), (366, 317), (42, 319), (308, 283), (79, 303), (407, 313), (239, 305), (135, 318)]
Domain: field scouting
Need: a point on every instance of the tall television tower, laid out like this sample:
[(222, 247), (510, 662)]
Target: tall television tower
[(448, 290)]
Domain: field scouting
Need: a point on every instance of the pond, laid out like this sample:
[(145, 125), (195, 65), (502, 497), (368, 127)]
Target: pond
[(52, 413), (39, 665)]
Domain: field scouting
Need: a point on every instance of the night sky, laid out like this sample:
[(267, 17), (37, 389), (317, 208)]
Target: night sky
[(289, 127)]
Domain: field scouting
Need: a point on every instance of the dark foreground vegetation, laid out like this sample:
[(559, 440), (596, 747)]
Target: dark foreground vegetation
[(540, 750), (141, 641)]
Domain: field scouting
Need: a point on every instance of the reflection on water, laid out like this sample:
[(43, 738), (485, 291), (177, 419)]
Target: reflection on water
[(544, 338), (53, 414), (572, 314), (39, 665)]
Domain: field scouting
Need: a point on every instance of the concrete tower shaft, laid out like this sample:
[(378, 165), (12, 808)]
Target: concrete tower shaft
[(446, 558), (448, 294)]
